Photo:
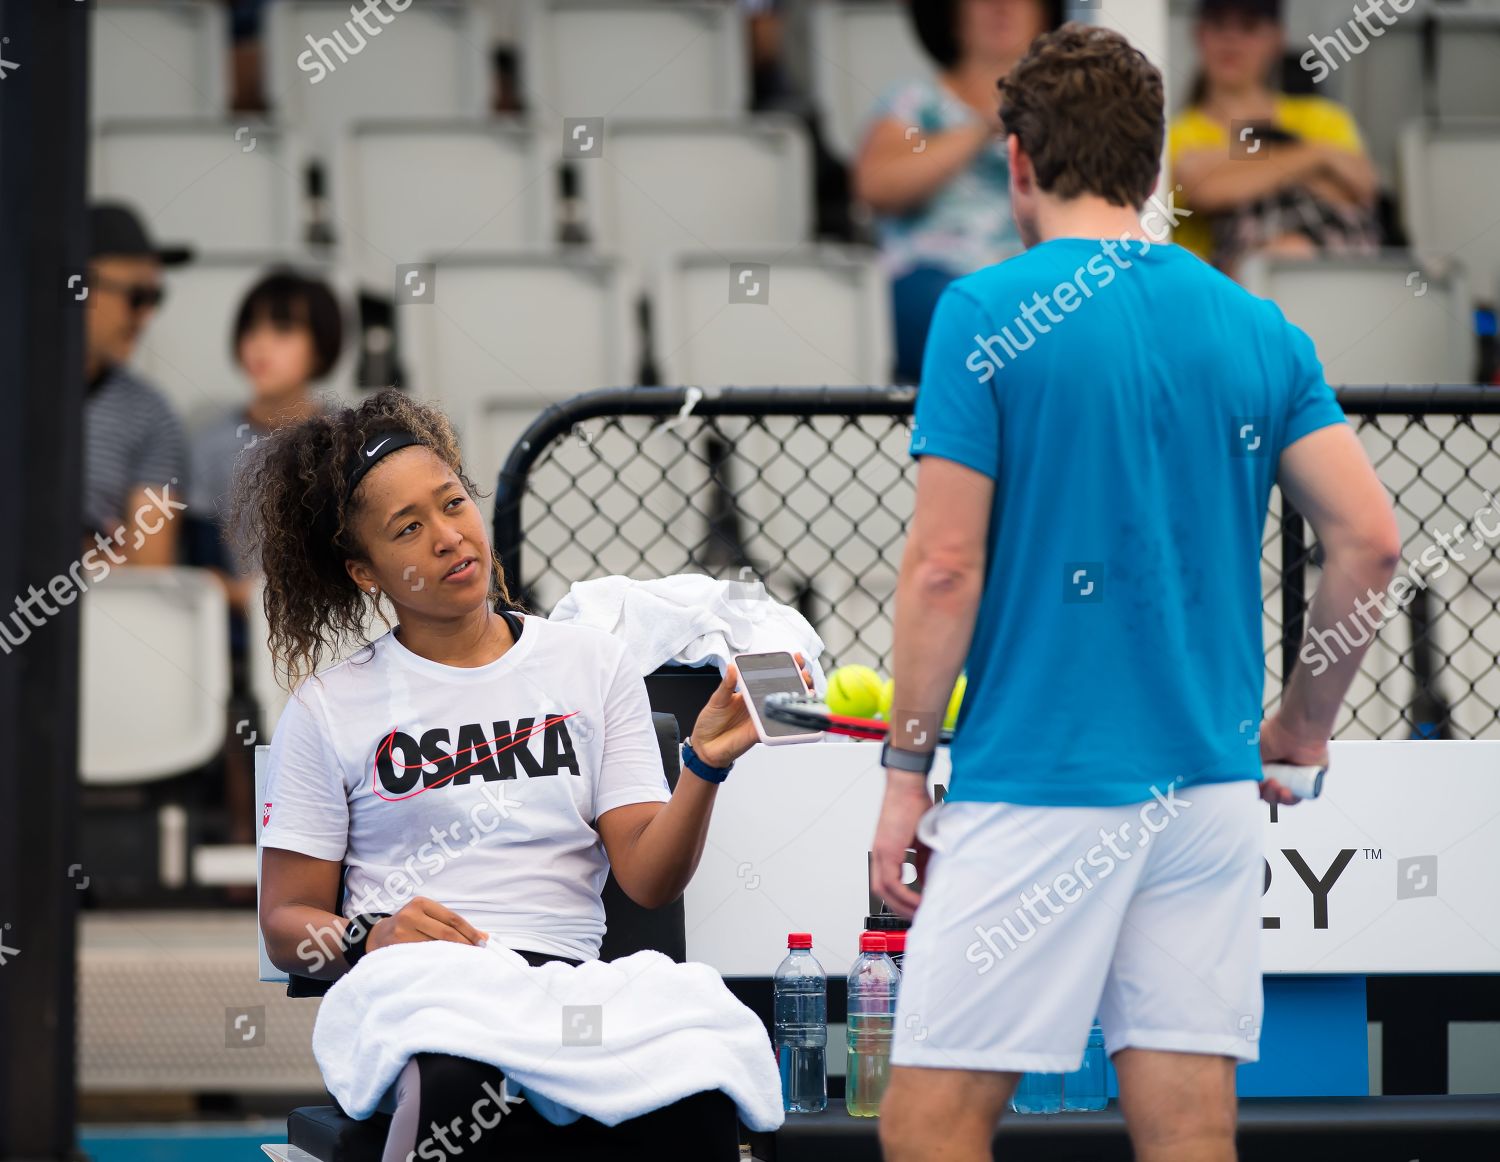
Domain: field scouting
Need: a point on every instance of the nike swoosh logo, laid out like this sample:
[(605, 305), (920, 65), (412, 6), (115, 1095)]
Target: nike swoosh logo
[(377, 447)]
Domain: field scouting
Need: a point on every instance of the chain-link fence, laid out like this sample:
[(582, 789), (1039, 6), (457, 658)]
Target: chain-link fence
[(809, 491)]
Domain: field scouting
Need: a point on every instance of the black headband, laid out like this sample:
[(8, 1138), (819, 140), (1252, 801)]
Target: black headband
[(376, 448)]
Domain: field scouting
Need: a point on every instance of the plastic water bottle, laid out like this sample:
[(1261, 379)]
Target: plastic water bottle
[(801, 1019), (1038, 1093), (1087, 1087), (873, 982)]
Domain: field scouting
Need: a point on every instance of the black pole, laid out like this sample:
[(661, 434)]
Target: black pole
[(43, 114)]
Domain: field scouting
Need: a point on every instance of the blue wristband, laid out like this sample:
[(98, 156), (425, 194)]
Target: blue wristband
[(700, 768)]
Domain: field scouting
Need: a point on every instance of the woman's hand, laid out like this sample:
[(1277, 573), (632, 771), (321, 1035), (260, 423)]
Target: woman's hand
[(423, 919), (724, 730)]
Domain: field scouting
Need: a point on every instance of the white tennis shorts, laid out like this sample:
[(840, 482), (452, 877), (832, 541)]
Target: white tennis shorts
[(1036, 919)]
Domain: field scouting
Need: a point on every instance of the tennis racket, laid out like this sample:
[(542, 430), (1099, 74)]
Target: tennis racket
[(812, 713)]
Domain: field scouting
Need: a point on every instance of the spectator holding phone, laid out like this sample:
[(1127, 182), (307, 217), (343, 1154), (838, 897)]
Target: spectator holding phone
[(1264, 171)]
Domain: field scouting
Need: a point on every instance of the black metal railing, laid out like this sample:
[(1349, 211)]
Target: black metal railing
[(808, 490)]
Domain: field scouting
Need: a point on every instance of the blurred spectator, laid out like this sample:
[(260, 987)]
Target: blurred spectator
[(933, 164), (134, 454), (1297, 182), (287, 335)]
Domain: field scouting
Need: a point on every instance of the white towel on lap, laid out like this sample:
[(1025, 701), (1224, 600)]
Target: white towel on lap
[(610, 1040), (691, 619)]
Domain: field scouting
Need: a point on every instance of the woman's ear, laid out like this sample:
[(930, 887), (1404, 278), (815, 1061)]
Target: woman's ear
[(359, 572)]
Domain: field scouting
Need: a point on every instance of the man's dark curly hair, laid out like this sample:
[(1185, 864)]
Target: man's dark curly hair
[(1087, 108), (289, 506)]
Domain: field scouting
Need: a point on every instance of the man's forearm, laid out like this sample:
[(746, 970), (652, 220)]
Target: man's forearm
[(936, 607)]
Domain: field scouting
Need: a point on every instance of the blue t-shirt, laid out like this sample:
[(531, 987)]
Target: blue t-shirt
[(1131, 404)]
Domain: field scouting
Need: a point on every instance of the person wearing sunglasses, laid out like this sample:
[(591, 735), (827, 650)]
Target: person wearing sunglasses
[(134, 449)]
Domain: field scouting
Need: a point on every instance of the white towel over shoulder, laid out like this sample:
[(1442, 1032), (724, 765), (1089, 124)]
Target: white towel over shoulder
[(610, 1040), (692, 620)]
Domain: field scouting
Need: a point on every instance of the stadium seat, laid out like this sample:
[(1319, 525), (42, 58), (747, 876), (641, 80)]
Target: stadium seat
[(315, 81), (639, 59), (774, 318), (1374, 320), (412, 189), (161, 59), (154, 673), (680, 185), (1440, 67), (214, 184), (508, 334), (1467, 83), (859, 50), (328, 1135), (185, 350), (1449, 174)]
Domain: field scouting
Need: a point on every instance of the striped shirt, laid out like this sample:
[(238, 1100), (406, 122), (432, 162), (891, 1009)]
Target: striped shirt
[(131, 439)]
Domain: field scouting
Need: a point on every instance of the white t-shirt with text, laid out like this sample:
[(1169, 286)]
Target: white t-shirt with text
[(476, 787)]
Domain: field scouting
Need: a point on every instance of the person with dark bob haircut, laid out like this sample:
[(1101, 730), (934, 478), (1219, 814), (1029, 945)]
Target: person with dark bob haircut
[(287, 335), (356, 507), (933, 166)]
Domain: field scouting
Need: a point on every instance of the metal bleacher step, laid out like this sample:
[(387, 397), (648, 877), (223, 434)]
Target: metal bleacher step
[(169, 1001)]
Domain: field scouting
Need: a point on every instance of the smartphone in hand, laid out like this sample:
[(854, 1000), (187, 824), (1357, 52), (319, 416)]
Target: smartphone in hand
[(772, 673)]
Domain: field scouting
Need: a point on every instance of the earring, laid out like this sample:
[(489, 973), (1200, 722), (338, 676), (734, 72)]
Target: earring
[(372, 589)]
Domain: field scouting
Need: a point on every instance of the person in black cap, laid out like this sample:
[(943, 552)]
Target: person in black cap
[(134, 451), (1311, 189), (932, 166)]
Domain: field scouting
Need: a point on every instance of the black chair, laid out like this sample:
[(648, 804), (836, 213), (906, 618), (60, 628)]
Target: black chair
[(709, 1119)]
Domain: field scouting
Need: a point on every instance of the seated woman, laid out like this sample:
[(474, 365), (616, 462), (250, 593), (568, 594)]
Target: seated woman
[(390, 753), (1312, 191), (933, 165), (287, 335)]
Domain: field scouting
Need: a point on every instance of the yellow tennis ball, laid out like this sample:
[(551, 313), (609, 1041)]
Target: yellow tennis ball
[(950, 719), (887, 693), (854, 690)]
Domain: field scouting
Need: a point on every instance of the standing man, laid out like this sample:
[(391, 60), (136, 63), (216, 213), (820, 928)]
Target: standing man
[(134, 450), (1099, 426)]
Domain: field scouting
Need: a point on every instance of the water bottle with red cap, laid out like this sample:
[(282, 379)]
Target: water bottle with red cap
[(801, 1026), (873, 983)]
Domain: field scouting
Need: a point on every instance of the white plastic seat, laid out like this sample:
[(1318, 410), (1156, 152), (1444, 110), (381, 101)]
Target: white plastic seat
[(670, 186), (157, 59), (1468, 46), (510, 334), (439, 187), (1449, 175), (154, 677), (633, 58), (428, 61), (186, 348), (219, 185), (823, 317), (1371, 319), (269, 973), (859, 50)]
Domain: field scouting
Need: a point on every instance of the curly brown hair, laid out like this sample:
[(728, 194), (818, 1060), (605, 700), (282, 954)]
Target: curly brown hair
[(290, 509), (1087, 108)]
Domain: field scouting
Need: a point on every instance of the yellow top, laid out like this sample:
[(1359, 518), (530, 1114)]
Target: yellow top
[(1313, 119)]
